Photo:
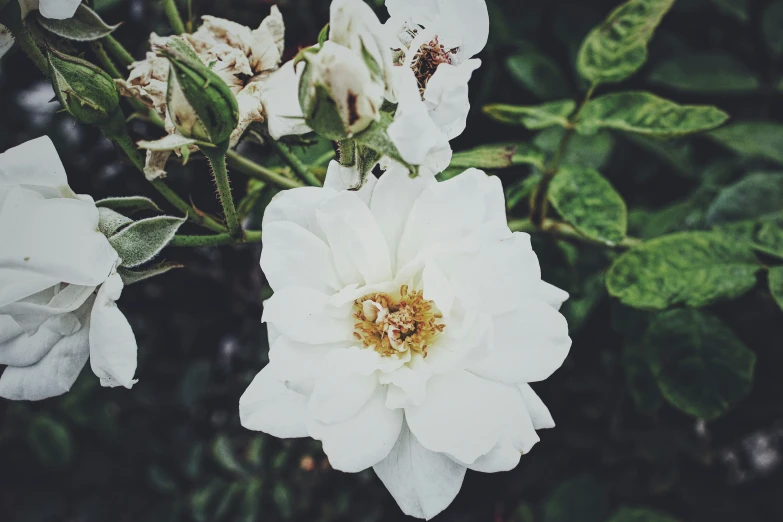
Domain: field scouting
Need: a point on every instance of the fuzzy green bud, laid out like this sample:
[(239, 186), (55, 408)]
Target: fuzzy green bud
[(87, 92), (199, 102)]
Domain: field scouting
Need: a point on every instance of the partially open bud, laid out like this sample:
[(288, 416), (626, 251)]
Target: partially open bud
[(85, 91), (199, 102), (337, 92)]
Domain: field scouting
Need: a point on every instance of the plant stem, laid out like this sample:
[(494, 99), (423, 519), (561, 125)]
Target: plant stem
[(285, 152), (100, 51), (251, 236), (116, 49), (566, 232), (254, 170), (346, 152), (217, 158), (11, 17), (173, 15)]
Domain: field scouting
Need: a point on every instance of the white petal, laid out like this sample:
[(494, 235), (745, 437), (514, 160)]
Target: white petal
[(297, 365), (58, 9), (54, 238), (530, 343), (6, 40), (463, 415), (362, 441), (19, 349), (112, 343), (35, 162), (343, 388), (303, 315), (268, 406), (17, 283), (280, 96), (419, 11), (358, 246), (422, 482), (298, 206), (469, 24), (339, 178), (294, 256), (446, 97), (552, 295), (392, 201), (30, 313), (539, 413)]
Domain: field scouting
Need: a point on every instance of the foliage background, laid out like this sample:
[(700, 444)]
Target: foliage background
[(173, 449)]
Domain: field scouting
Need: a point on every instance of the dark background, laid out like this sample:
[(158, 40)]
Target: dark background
[(172, 448)]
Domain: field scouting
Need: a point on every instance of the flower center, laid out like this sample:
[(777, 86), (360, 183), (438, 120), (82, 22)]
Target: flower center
[(395, 326), (427, 59)]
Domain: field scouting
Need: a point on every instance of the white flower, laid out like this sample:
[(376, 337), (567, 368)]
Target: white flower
[(436, 39), (406, 324), (54, 9), (57, 282)]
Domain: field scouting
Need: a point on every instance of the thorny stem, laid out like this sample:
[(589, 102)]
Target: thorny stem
[(217, 159), (100, 51), (254, 170), (301, 170), (116, 49), (11, 17), (251, 236), (540, 203), (173, 15), (565, 231)]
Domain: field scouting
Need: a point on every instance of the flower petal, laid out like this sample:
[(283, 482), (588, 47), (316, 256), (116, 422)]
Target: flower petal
[(294, 256), (17, 283), (303, 315), (58, 9), (446, 97), (530, 343), (6, 40), (422, 482), (343, 387), (34, 162), (280, 96), (362, 441), (552, 295), (297, 365), (539, 413), (359, 249), (339, 178), (112, 343), (268, 406), (469, 25), (298, 206), (19, 349)]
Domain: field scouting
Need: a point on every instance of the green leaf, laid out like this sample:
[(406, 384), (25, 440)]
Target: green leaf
[(617, 48), (130, 277), (691, 268), (644, 113), (675, 153), (521, 190), (737, 9), (760, 139), (109, 221), (499, 157), (709, 72), (627, 514), (129, 204), (143, 240), (588, 201), (533, 117), (323, 35), (84, 26), (250, 505), (641, 381), (582, 498), (376, 137), (701, 366), (50, 441), (772, 27), (538, 74), (223, 453), (775, 280), (755, 196), (587, 151)]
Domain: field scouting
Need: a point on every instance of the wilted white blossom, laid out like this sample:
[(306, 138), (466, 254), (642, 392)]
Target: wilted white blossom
[(406, 323), (58, 283)]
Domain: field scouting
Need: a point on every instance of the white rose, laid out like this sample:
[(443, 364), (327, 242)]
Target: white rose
[(406, 324), (57, 282)]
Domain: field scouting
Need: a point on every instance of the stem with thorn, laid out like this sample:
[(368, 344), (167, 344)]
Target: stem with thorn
[(251, 236), (254, 170), (175, 20), (301, 170), (217, 159)]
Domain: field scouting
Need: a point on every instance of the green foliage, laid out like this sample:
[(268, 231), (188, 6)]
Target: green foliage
[(587, 151), (50, 441), (539, 74), (758, 195), (692, 268), (647, 114), (84, 26), (128, 204), (498, 157), (616, 49), (775, 276), (130, 277), (627, 514), (772, 26), (581, 498), (138, 243), (534, 117), (710, 72), (587, 200), (701, 366), (756, 139)]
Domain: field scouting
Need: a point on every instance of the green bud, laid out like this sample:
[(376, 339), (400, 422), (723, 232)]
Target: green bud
[(85, 91), (199, 102)]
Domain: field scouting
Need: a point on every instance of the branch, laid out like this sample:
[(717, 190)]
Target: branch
[(173, 15), (285, 152), (251, 236), (566, 232), (254, 170)]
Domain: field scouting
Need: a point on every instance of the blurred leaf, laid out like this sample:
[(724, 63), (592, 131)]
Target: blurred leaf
[(644, 113), (521, 190), (752, 138), (498, 157), (143, 240), (224, 454), (755, 196), (692, 268), (641, 381), (683, 215), (128, 204), (281, 495), (160, 480), (707, 72), (523, 513), (193, 383), (581, 304), (582, 498), (84, 26), (626, 514), (701, 366), (737, 9), (250, 505), (255, 192), (202, 501), (535, 116), (539, 74), (775, 276), (772, 26), (228, 501), (50, 441), (586, 151), (675, 153), (617, 48), (588, 201)]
